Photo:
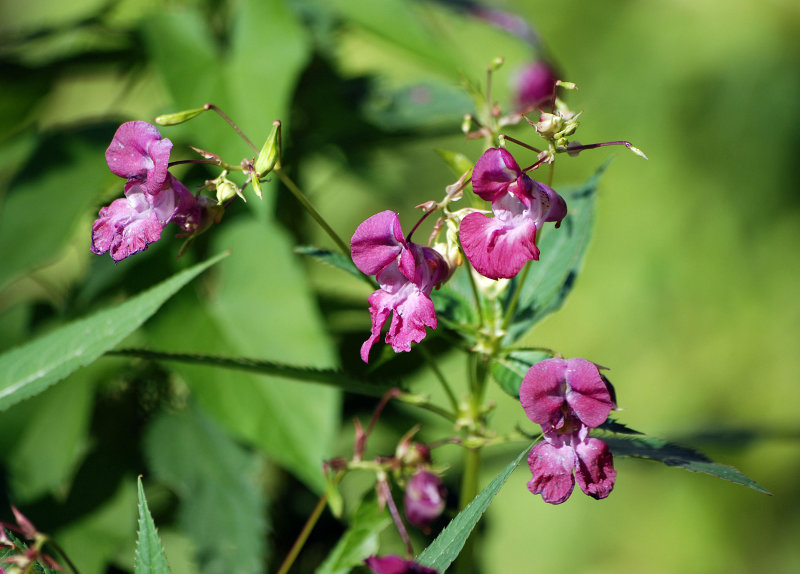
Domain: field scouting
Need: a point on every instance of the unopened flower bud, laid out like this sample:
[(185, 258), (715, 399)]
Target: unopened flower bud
[(396, 565), (466, 124), (424, 499), (549, 125), (496, 64), (567, 85), (534, 86), (268, 157), (178, 117)]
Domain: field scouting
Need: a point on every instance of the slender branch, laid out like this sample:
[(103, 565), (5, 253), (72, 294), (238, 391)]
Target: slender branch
[(301, 197), (306, 531), (520, 143), (473, 285), (512, 306), (421, 219), (224, 116), (440, 376), (63, 555), (220, 163), (423, 404), (386, 494)]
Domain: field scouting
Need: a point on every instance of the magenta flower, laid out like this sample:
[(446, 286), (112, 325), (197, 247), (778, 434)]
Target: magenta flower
[(568, 397), (498, 247), (396, 565), (153, 196), (131, 223), (406, 273), (561, 458), (138, 152), (424, 499), (534, 86), (554, 390)]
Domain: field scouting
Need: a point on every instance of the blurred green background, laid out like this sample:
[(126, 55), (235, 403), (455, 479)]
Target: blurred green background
[(689, 291)]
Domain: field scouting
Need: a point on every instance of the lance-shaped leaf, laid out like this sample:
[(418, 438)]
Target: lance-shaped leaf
[(672, 454), (150, 557), (28, 370), (333, 258), (444, 550), (550, 279)]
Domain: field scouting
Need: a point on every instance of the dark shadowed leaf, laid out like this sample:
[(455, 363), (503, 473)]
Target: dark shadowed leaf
[(222, 507), (675, 455)]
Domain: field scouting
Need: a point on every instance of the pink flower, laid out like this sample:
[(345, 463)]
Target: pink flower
[(568, 397), (406, 273), (396, 565), (561, 458), (424, 499), (138, 152), (153, 196), (131, 223), (554, 390), (499, 246)]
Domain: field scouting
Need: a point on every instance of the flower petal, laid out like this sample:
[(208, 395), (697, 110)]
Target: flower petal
[(542, 391), (498, 248), (594, 469), (377, 242), (586, 392), (409, 321), (138, 151), (494, 171), (552, 468), (396, 565)]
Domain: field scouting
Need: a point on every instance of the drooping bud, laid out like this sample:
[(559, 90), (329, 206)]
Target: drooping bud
[(534, 86), (269, 156), (226, 189), (178, 117), (424, 499)]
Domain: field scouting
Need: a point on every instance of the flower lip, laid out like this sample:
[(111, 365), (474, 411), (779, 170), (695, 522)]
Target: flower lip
[(378, 241)]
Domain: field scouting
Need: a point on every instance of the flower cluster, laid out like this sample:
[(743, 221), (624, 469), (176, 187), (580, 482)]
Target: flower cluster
[(497, 247), (406, 272), (567, 398), (153, 196)]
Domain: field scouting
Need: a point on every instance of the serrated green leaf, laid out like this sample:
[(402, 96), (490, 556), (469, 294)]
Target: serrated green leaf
[(444, 550), (333, 258), (330, 377), (28, 370), (551, 278), (221, 505), (150, 557), (359, 541), (509, 370), (675, 455)]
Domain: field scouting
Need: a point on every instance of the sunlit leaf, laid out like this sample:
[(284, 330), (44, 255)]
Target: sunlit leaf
[(29, 369), (444, 550), (150, 557)]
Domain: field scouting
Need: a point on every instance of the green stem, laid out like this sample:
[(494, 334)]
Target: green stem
[(63, 554), (423, 404), (473, 285), (440, 376), (287, 181), (512, 306), (304, 534), (469, 490)]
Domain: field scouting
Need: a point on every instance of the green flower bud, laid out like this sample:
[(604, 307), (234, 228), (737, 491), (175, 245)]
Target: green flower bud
[(269, 156), (256, 186), (178, 117)]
